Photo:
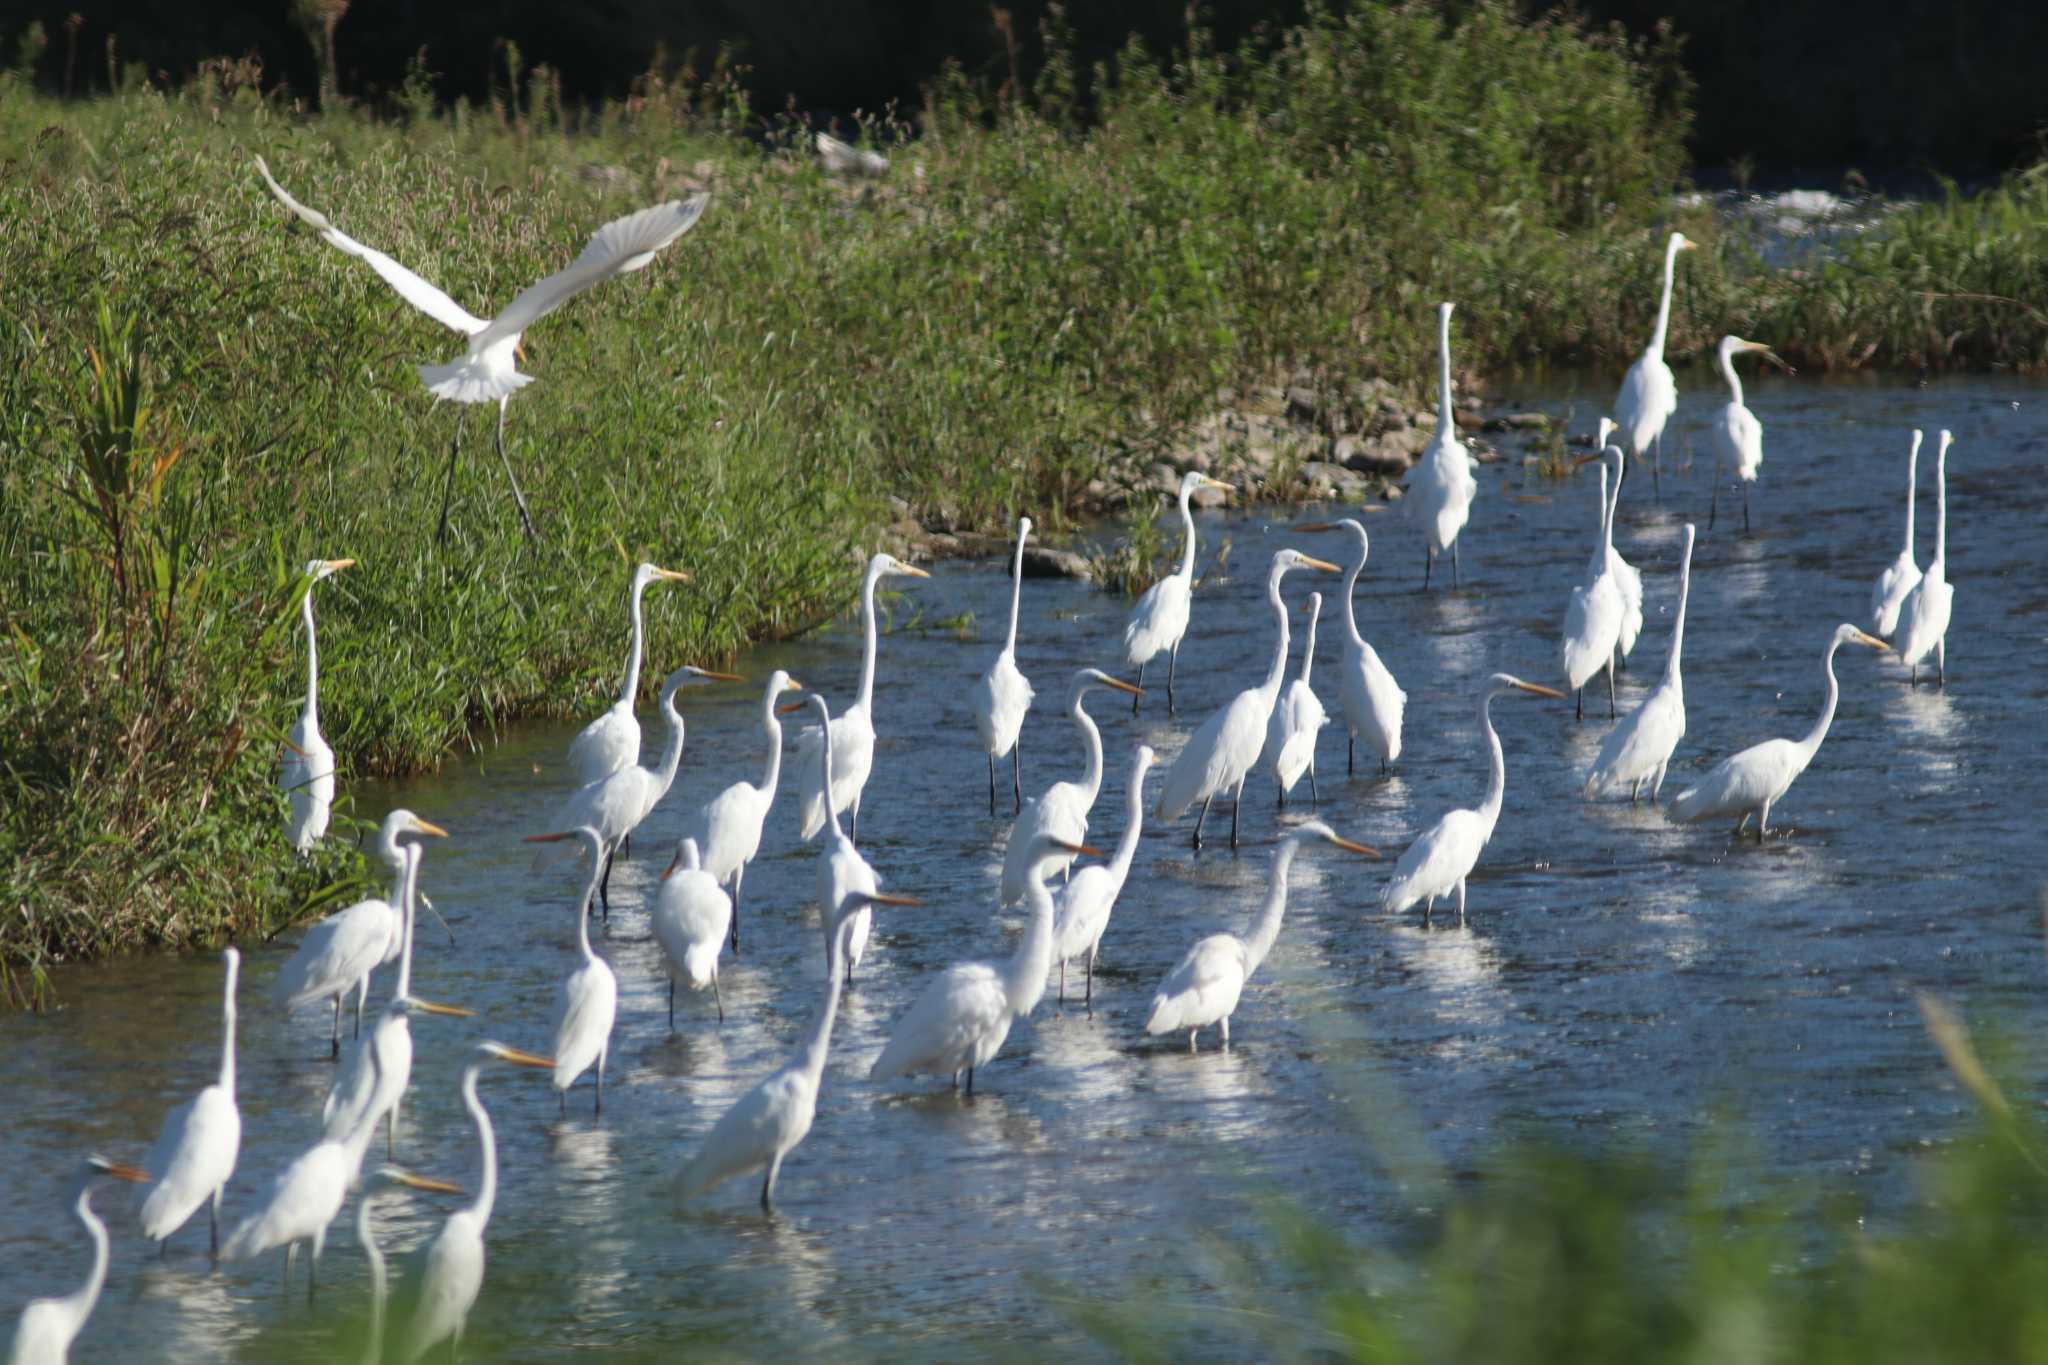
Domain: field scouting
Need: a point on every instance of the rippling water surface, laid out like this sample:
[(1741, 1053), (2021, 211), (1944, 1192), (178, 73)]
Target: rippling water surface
[(1620, 977)]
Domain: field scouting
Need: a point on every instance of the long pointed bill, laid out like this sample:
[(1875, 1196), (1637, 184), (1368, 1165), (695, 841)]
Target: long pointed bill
[(518, 1058), (913, 571), (719, 677), (790, 708), (420, 826), (337, 565), (884, 898), (547, 838), (672, 575), (1315, 526), (1350, 847), (792, 685), (1208, 482), (673, 864), (1120, 685), (1325, 565), (446, 1011), (294, 748), (120, 1170), (1086, 849), (1540, 690), (1862, 639), (427, 1183), (1594, 458)]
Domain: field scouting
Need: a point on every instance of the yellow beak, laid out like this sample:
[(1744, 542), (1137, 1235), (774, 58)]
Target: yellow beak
[(423, 827), (1540, 690)]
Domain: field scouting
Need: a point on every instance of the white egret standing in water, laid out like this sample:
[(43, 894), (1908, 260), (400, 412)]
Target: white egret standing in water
[(382, 1181), (1297, 721), (728, 827), (1081, 911), (1626, 578), (612, 741), (1160, 619), (1003, 695), (842, 872), (195, 1154), (1737, 436), (690, 919), (307, 772), (1442, 480), (1649, 393), (1639, 749), (1063, 808), (1902, 575), (47, 1327), (1372, 701), (1923, 616), (1592, 621), (589, 999)]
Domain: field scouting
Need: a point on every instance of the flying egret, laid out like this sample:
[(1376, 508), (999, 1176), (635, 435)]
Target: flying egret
[(307, 772), (195, 1154), (1297, 719), (1161, 617), (1223, 751), (589, 999), (1753, 780), (853, 733), (1371, 700), (452, 1270), (1923, 616), (1081, 911), (728, 827), (1649, 394), (612, 741), (382, 1181), (842, 158), (691, 916), (1625, 575), (47, 1327), (338, 954), (1443, 483), (764, 1125), (1063, 808), (842, 872), (1737, 436), (1903, 575), (1592, 623), (960, 1019), (1638, 750), (1003, 695), (1438, 862), (488, 371), (1204, 987)]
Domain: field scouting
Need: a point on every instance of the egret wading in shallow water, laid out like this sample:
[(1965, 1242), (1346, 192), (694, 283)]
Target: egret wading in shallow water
[(1902, 575), (1923, 616), (1639, 749), (690, 918), (1081, 912), (767, 1122), (1160, 619), (1752, 781), (589, 1000), (728, 827), (1063, 808), (381, 1183), (1626, 577), (1737, 436), (1222, 752), (1204, 988), (1003, 696), (852, 733), (195, 1154), (1298, 719), (1649, 393), (1372, 701), (307, 772), (1592, 621), (1438, 863), (842, 872), (488, 371), (47, 1327), (612, 741), (1443, 482)]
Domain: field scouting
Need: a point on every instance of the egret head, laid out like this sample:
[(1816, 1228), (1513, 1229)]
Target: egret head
[(1283, 560), (498, 1052), (645, 573), (403, 821), (1846, 634), (1023, 528), (1316, 829), (1195, 479), (1501, 683), (388, 1176), (1314, 605), (687, 859), (1681, 242), (317, 569), (885, 564), (1143, 756), (690, 672), (1085, 678)]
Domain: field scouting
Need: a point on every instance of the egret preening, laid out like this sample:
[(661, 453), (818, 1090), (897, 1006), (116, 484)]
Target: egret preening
[(1371, 700), (452, 1270), (728, 827), (1903, 575), (1003, 695), (383, 1180), (1081, 911), (1592, 623), (47, 1327), (1639, 749), (765, 1124), (1223, 751), (1161, 617), (1737, 436), (959, 1021), (1061, 809), (1443, 483), (612, 741), (1625, 576), (691, 916), (1923, 616), (1649, 394), (1438, 863), (1204, 987), (842, 872), (195, 1154), (853, 733), (339, 953), (488, 370), (1297, 719), (307, 773), (1751, 781), (589, 999)]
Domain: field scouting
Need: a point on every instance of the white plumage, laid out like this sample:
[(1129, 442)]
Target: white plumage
[(1442, 482), (1372, 702), (1923, 616), (1902, 575), (47, 1327), (1002, 696), (383, 1179), (1160, 619), (589, 998), (1081, 911), (842, 873), (1297, 719), (1625, 575), (195, 1154), (1649, 393), (1639, 749), (728, 827), (1062, 809), (840, 158), (1737, 436), (1592, 622), (307, 772), (612, 741), (691, 916)]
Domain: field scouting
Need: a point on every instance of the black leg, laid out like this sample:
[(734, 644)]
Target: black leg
[(970, 1082), (671, 1004), (718, 996), (1456, 582), (1135, 699), (1657, 467), (1203, 816), (1579, 704), (1745, 509), (1236, 804), (1017, 773), (334, 1039), (604, 888), (448, 485), (1714, 501), (626, 847), (1350, 745), (1090, 1001), (738, 879), (525, 517), (1428, 563), (1610, 687), (991, 782), (1315, 797), (1172, 667)]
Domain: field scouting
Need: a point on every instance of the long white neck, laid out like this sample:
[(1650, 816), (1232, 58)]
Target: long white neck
[(373, 1349), (1267, 929), (1941, 504), (672, 756), (1671, 674), (227, 1032), (1091, 743), (631, 686), (1445, 423), (1497, 773), (811, 1059), (1134, 823), (825, 765), (312, 708), (1606, 519), (596, 848), (1912, 489), (1016, 594), (1350, 585), (1187, 531), (486, 1143), (1024, 978), (1811, 743), (78, 1305), (772, 777), (408, 903), (1308, 653), (1614, 493), (867, 657), (1656, 347), (1278, 668), (1728, 373), (394, 858)]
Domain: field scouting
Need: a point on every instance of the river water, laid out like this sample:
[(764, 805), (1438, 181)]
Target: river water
[(1620, 979)]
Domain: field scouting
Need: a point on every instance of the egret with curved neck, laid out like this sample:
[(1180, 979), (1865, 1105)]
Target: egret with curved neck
[(48, 1326), (1063, 808), (1372, 702), (1649, 393), (307, 772), (728, 828), (196, 1152), (1639, 749), (384, 1180), (1081, 911), (590, 993), (1903, 574), (1160, 619), (1592, 621), (1738, 437), (612, 741), (1443, 482), (842, 872), (1003, 695), (1924, 615), (1298, 718)]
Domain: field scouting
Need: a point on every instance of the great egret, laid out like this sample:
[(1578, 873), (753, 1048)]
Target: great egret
[(488, 370), (1649, 394), (195, 1154), (1161, 617), (1625, 575), (1592, 623), (1442, 482), (1003, 695), (1638, 750), (589, 999), (842, 872), (385, 1179), (1223, 751), (764, 1125), (47, 1327), (1438, 863), (1738, 437), (307, 772), (1923, 616), (841, 158), (1751, 781), (1371, 700), (452, 1271), (1903, 575), (1298, 719), (612, 741), (728, 827), (1081, 911), (1063, 808), (691, 916), (1204, 987), (853, 733), (339, 953), (959, 1021)]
